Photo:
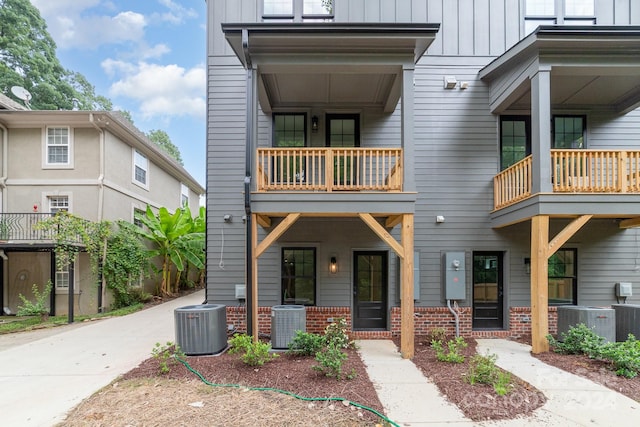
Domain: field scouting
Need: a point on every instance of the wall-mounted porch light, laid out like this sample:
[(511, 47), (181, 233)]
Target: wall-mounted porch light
[(333, 265), (314, 124), (527, 265)]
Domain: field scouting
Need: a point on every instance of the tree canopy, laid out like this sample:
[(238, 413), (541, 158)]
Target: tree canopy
[(162, 139), (28, 59)]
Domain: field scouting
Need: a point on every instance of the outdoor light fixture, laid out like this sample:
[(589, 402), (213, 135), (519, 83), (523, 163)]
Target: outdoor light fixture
[(333, 265), (527, 265), (314, 124)]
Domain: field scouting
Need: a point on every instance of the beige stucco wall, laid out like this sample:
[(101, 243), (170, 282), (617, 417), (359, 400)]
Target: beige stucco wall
[(85, 290), (23, 269)]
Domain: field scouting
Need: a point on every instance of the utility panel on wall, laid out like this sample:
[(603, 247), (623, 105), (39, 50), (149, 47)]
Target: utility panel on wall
[(454, 275)]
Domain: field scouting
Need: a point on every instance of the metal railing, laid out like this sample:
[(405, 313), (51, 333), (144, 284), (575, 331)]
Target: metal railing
[(17, 227)]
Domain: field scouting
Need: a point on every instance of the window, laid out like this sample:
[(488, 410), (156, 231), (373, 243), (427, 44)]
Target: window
[(297, 10), (299, 276), (515, 143), (289, 129), (563, 277), (62, 278), (58, 204), (58, 147), (563, 12), (568, 131), (184, 195), (136, 213), (343, 130), (140, 168)]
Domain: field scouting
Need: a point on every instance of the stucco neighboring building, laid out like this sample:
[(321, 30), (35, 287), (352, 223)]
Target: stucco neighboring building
[(416, 164), (94, 164)]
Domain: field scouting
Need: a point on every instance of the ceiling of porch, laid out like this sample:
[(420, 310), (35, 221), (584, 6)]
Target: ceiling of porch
[(591, 67), (322, 64)]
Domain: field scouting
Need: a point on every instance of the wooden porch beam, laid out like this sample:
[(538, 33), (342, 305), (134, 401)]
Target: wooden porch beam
[(406, 300), (393, 220), (566, 233), (630, 223), (383, 234), (264, 221), (276, 233)]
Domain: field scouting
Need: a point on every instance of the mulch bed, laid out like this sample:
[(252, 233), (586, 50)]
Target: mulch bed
[(478, 401)]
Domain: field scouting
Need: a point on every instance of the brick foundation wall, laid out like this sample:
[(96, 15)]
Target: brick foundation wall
[(425, 319)]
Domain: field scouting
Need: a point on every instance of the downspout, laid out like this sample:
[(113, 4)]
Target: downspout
[(101, 283), (247, 186)]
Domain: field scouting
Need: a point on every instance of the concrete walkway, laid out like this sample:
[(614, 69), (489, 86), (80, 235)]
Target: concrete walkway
[(43, 379), (410, 399)]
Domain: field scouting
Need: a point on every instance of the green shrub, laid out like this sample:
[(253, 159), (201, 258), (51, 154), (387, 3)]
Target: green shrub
[(39, 307), (253, 353), (330, 361), (503, 385), (625, 356), (438, 334), (337, 333), (166, 355), (306, 343), (482, 369), (578, 340), (454, 347)]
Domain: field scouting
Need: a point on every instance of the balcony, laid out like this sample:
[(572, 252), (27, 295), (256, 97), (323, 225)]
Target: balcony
[(329, 169), (575, 172), (22, 228)]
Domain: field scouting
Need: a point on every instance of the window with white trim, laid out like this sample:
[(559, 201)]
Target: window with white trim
[(184, 195), (58, 146), (140, 168), (62, 278), (562, 12), (58, 204), (297, 10), (136, 214)]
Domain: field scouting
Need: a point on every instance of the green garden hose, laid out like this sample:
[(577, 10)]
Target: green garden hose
[(288, 393)]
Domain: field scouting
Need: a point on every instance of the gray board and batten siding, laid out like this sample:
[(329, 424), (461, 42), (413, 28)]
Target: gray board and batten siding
[(456, 157)]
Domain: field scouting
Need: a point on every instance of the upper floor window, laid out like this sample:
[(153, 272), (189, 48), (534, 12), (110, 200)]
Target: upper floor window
[(563, 12), (289, 129), (140, 168), (568, 131), (58, 147), (58, 204), (184, 195), (515, 143), (297, 10)]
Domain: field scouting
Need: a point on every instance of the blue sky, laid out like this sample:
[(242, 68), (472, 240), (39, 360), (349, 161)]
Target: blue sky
[(147, 56)]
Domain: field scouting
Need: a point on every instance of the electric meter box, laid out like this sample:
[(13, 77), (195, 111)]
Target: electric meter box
[(624, 289), (454, 272)]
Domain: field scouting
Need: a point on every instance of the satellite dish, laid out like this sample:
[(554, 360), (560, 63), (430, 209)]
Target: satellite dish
[(22, 94)]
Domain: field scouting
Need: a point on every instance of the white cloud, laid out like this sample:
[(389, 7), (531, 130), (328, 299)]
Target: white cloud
[(177, 13), (160, 90)]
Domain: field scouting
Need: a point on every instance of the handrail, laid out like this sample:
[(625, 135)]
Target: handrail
[(329, 169), (22, 226), (512, 184)]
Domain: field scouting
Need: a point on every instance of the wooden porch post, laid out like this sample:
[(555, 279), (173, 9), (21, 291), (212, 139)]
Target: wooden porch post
[(406, 278), (539, 283)]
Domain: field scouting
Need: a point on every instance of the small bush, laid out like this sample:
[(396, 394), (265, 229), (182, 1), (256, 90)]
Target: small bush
[(306, 343), (454, 347), (482, 369), (337, 332), (438, 334), (503, 385), (330, 361), (578, 340), (625, 356), (39, 307), (253, 353), (166, 355)]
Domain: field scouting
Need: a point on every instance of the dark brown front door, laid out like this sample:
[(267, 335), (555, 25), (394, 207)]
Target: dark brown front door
[(370, 290)]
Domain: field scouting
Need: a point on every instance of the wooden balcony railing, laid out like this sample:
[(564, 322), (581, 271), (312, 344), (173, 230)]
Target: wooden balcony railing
[(512, 184), (573, 171), (329, 169)]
